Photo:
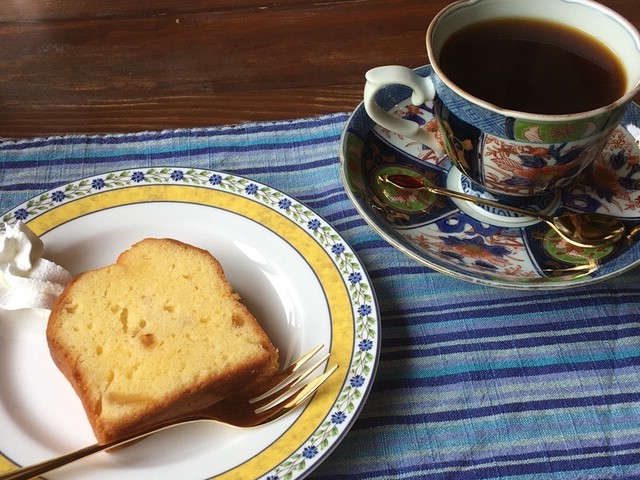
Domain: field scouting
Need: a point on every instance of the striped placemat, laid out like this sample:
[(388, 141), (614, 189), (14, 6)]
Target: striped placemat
[(473, 382)]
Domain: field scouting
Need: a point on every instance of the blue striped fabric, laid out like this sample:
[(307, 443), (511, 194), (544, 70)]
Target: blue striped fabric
[(474, 382)]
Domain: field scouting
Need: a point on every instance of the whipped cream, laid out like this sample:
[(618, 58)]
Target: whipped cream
[(27, 280)]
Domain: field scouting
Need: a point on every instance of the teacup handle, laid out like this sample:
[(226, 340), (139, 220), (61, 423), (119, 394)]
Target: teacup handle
[(423, 91)]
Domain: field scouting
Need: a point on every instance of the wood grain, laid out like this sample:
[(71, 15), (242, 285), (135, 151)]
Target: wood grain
[(71, 66)]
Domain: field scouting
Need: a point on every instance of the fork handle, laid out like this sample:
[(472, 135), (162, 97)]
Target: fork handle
[(25, 473), (43, 467)]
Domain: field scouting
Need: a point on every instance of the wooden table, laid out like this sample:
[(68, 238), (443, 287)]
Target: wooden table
[(71, 66)]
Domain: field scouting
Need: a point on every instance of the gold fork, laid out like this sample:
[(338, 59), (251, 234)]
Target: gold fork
[(283, 394)]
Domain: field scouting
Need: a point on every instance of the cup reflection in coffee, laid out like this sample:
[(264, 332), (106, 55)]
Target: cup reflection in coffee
[(525, 94)]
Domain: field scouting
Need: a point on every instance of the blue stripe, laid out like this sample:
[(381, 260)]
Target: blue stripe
[(501, 345), (494, 410), (617, 330), (516, 467), (470, 307), (542, 469), (160, 154), (491, 371)]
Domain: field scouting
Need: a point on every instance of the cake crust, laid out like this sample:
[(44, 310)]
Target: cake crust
[(159, 333)]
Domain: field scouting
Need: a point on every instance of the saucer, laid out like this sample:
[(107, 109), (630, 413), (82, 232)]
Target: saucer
[(488, 247)]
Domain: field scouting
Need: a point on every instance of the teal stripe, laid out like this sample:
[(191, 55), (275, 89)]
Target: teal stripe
[(526, 356), (429, 370), (476, 342)]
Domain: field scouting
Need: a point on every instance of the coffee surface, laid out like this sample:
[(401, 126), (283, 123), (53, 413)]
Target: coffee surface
[(533, 66)]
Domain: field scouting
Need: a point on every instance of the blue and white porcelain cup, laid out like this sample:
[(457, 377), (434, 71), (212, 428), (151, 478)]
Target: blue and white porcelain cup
[(494, 146)]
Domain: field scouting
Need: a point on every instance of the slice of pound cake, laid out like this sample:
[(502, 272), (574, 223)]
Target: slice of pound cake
[(158, 333)]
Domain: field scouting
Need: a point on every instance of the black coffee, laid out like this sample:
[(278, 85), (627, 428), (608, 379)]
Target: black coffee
[(533, 66)]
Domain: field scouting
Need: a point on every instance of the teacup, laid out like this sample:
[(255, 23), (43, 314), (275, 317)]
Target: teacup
[(516, 155)]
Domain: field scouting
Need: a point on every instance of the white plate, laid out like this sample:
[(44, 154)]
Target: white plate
[(294, 272)]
